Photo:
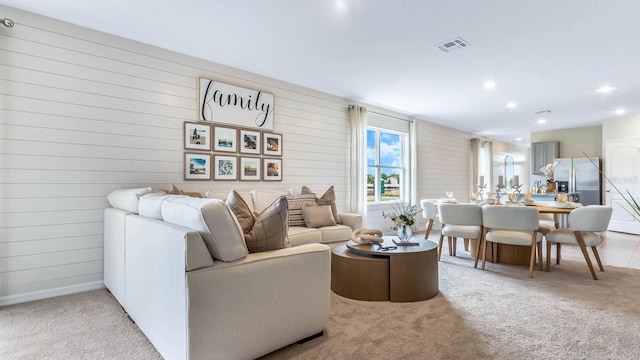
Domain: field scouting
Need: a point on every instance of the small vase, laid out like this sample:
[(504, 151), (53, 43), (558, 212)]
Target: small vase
[(404, 233)]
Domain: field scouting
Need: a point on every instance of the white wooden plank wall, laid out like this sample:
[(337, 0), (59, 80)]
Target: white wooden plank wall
[(83, 113), (444, 163)]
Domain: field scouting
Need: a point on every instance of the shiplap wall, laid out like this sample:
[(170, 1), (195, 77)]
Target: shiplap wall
[(444, 163), (83, 113)]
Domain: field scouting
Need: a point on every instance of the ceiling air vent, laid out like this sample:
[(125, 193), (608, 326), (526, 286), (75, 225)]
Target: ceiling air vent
[(453, 44)]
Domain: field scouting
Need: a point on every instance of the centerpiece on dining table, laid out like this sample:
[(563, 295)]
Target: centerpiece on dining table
[(403, 217), (547, 170)]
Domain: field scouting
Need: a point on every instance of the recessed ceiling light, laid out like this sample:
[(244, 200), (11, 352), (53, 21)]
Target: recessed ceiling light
[(489, 84), (541, 121), (518, 139), (512, 105), (605, 89), (620, 111)]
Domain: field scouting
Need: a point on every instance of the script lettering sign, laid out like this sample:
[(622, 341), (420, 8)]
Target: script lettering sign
[(229, 104)]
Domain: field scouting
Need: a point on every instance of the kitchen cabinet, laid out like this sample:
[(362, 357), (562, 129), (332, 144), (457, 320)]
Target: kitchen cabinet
[(543, 153)]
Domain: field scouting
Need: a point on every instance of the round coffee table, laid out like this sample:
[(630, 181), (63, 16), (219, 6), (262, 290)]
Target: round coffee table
[(367, 272)]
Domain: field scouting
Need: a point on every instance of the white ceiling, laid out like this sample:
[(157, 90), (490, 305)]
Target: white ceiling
[(542, 54)]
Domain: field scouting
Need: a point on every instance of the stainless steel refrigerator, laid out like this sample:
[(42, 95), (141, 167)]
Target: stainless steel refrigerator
[(583, 177)]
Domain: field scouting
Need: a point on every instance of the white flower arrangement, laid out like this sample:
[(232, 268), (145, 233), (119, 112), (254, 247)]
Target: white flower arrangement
[(402, 215), (548, 169)]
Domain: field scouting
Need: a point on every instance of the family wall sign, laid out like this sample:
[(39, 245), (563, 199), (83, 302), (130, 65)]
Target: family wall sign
[(229, 104)]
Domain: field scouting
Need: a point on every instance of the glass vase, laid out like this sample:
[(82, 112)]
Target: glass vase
[(404, 233)]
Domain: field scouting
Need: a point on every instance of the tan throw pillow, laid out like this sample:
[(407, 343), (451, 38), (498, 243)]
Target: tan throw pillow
[(318, 216), (328, 198), (175, 191), (270, 229), (296, 203), (241, 210)]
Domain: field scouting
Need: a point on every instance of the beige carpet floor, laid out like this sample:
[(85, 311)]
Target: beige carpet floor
[(496, 314)]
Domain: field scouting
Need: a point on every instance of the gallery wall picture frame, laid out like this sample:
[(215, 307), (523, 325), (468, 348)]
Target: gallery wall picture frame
[(272, 144), (197, 166), (272, 169), (225, 139), (197, 136), (250, 169), (225, 167), (250, 142)]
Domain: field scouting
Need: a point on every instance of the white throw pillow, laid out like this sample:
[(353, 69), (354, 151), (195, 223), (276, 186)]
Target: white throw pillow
[(213, 219), (150, 205), (127, 199)]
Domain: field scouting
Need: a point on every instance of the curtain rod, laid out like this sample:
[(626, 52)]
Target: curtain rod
[(382, 114)]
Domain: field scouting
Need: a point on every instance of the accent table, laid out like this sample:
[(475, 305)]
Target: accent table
[(366, 272)]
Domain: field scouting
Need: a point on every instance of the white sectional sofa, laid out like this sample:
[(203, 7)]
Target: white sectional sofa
[(193, 306)]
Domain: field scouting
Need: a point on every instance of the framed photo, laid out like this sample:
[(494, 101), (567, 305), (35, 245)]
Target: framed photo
[(225, 168), (197, 166), (272, 169), (250, 169), (272, 144), (250, 141), (225, 139), (197, 136)]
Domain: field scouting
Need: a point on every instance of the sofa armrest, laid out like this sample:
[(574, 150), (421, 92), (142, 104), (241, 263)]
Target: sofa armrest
[(273, 298), (354, 221)]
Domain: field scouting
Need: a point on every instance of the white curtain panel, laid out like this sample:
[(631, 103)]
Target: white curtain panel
[(358, 118)]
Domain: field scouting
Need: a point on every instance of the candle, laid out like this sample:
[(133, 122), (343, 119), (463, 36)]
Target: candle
[(501, 180), (516, 180), (481, 180)]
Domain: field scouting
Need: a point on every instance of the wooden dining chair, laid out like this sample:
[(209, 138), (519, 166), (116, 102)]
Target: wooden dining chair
[(585, 224), (512, 225), (430, 213), (459, 221)]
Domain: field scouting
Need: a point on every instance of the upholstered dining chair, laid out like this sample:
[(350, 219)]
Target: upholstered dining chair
[(430, 213), (585, 224), (512, 225), (459, 221)]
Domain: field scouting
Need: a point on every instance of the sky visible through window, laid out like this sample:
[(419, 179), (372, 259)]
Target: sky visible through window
[(390, 150)]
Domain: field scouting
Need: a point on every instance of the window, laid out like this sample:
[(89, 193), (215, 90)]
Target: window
[(386, 165)]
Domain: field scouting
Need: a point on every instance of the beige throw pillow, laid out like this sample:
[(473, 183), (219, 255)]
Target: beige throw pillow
[(296, 203), (267, 231), (328, 198), (241, 210), (318, 216)]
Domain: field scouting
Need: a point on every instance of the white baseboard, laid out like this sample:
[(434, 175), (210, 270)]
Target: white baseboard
[(44, 294)]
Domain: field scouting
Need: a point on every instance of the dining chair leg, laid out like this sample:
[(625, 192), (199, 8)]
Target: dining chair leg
[(533, 256), (466, 244), (429, 226), (484, 248), (584, 252), (595, 253), (450, 245), (548, 256), (455, 245), (440, 246), (540, 255), (479, 241), (558, 248)]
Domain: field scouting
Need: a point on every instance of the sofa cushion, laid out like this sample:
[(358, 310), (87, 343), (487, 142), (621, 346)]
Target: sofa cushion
[(241, 210), (302, 235), (335, 233), (318, 216), (296, 203), (222, 195), (270, 229), (150, 205), (213, 219), (127, 199), (328, 198), (264, 198)]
